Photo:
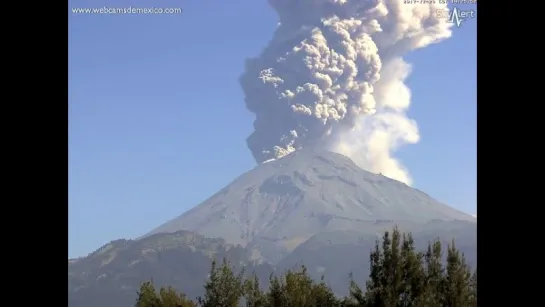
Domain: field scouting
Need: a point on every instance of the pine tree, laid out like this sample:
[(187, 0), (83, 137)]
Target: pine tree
[(170, 298), (473, 290), (298, 287), (277, 296), (323, 296), (223, 287), (253, 295), (456, 288), (356, 297), (386, 277), (433, 276), (413, 279), (374, 295), (147, 296)]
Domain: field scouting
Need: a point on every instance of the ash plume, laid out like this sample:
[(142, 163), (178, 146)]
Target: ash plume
[(333, 76)]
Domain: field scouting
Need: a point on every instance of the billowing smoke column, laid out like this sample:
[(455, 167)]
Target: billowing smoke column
[(333, 76)]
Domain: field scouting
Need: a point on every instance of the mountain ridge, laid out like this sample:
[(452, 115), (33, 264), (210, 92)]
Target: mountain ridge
[(111, 275)]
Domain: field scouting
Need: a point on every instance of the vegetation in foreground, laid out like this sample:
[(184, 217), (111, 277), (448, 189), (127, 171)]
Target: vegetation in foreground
[(399, 277)]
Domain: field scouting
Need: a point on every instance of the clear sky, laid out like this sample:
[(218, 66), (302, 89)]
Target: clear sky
[(157, 121)]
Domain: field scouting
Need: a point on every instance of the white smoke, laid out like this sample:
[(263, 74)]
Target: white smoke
[(333, 76)]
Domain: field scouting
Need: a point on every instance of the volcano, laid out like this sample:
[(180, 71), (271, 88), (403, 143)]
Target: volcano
[(282, 203)]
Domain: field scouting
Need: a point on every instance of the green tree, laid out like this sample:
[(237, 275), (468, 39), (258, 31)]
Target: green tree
[(253, 294), (387, 280), (456, 284), (277, 295), (296, 288), (323, 296), (434, 271), (167, 297), (170, 298), (147, 296), (223, 287), (413, 274), (356, 297), (402, 277), (473, 290), (397, 275)]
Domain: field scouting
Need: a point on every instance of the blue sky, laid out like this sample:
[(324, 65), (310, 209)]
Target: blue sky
[(157, 121)]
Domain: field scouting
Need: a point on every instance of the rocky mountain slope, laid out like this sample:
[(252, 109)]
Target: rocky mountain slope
[(110, 276)]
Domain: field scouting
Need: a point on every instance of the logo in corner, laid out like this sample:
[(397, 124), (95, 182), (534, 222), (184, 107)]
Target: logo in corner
[(456, 15)]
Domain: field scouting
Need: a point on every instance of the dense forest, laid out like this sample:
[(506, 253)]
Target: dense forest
[(399, 276)]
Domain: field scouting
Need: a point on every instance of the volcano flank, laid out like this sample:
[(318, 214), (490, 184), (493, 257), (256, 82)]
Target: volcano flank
[(282, 203)]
